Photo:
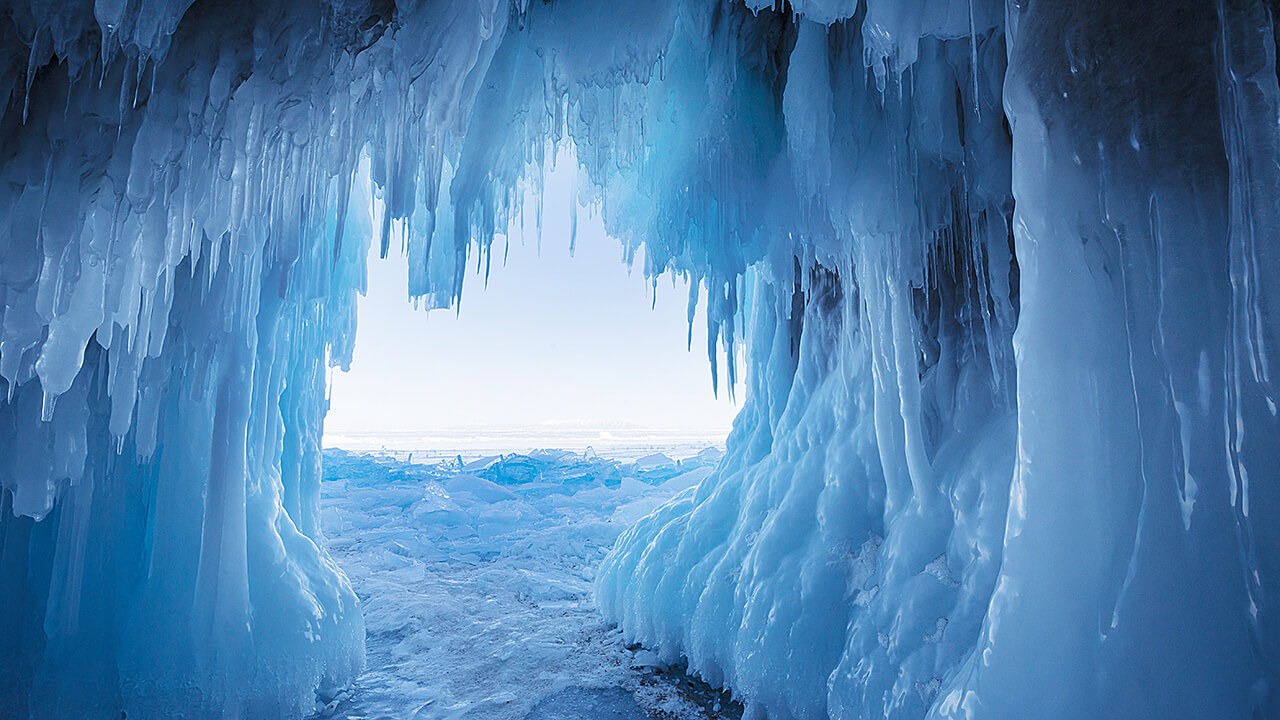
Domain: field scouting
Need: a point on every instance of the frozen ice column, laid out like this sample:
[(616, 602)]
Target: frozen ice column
[(1140, 576)]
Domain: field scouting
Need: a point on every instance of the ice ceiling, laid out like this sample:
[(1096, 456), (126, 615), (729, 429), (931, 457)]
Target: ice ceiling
[(1006, 276)]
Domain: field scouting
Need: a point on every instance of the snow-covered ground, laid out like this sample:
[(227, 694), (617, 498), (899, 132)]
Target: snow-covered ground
[(475, 578)]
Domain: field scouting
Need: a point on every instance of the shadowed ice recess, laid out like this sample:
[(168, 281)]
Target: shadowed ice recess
[(1000, 279)]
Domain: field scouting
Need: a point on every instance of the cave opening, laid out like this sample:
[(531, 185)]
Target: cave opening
[(481, 460), (562, 340)]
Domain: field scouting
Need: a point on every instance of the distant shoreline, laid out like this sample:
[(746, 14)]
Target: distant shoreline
[(614, 442)]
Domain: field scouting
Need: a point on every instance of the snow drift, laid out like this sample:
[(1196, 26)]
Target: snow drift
[(1004, 278)]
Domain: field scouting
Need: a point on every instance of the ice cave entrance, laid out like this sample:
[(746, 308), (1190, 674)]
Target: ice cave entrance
[(558, 342), (480, 461)]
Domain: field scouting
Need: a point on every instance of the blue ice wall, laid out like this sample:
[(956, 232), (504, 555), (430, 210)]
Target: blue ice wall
[(1003, 278)]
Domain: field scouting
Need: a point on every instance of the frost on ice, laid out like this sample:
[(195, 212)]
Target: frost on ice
[(1005, 279)]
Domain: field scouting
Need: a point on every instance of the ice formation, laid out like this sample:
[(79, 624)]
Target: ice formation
[(1004, 275)]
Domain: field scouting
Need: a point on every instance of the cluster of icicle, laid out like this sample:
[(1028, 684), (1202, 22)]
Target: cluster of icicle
[(1006, 277)]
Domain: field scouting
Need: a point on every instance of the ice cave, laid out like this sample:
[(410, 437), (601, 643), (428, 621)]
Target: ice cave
[(1000, 274)]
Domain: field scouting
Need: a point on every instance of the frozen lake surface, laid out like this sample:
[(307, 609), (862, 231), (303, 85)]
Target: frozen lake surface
[(475, 579)]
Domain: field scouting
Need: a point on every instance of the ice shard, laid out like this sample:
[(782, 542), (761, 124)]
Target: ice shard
[(1003, 276)]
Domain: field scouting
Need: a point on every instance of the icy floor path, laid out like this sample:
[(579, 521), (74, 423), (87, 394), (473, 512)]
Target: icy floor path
[(475, 582)]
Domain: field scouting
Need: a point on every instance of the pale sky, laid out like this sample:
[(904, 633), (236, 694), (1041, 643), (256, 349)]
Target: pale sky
[(552, 340)]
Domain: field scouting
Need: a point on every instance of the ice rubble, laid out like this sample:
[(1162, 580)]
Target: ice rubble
[(476, 582), (998, 459)]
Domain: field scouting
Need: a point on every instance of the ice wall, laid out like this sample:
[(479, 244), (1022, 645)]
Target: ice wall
[(928, 512), (172, 286), (1003, 275)]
